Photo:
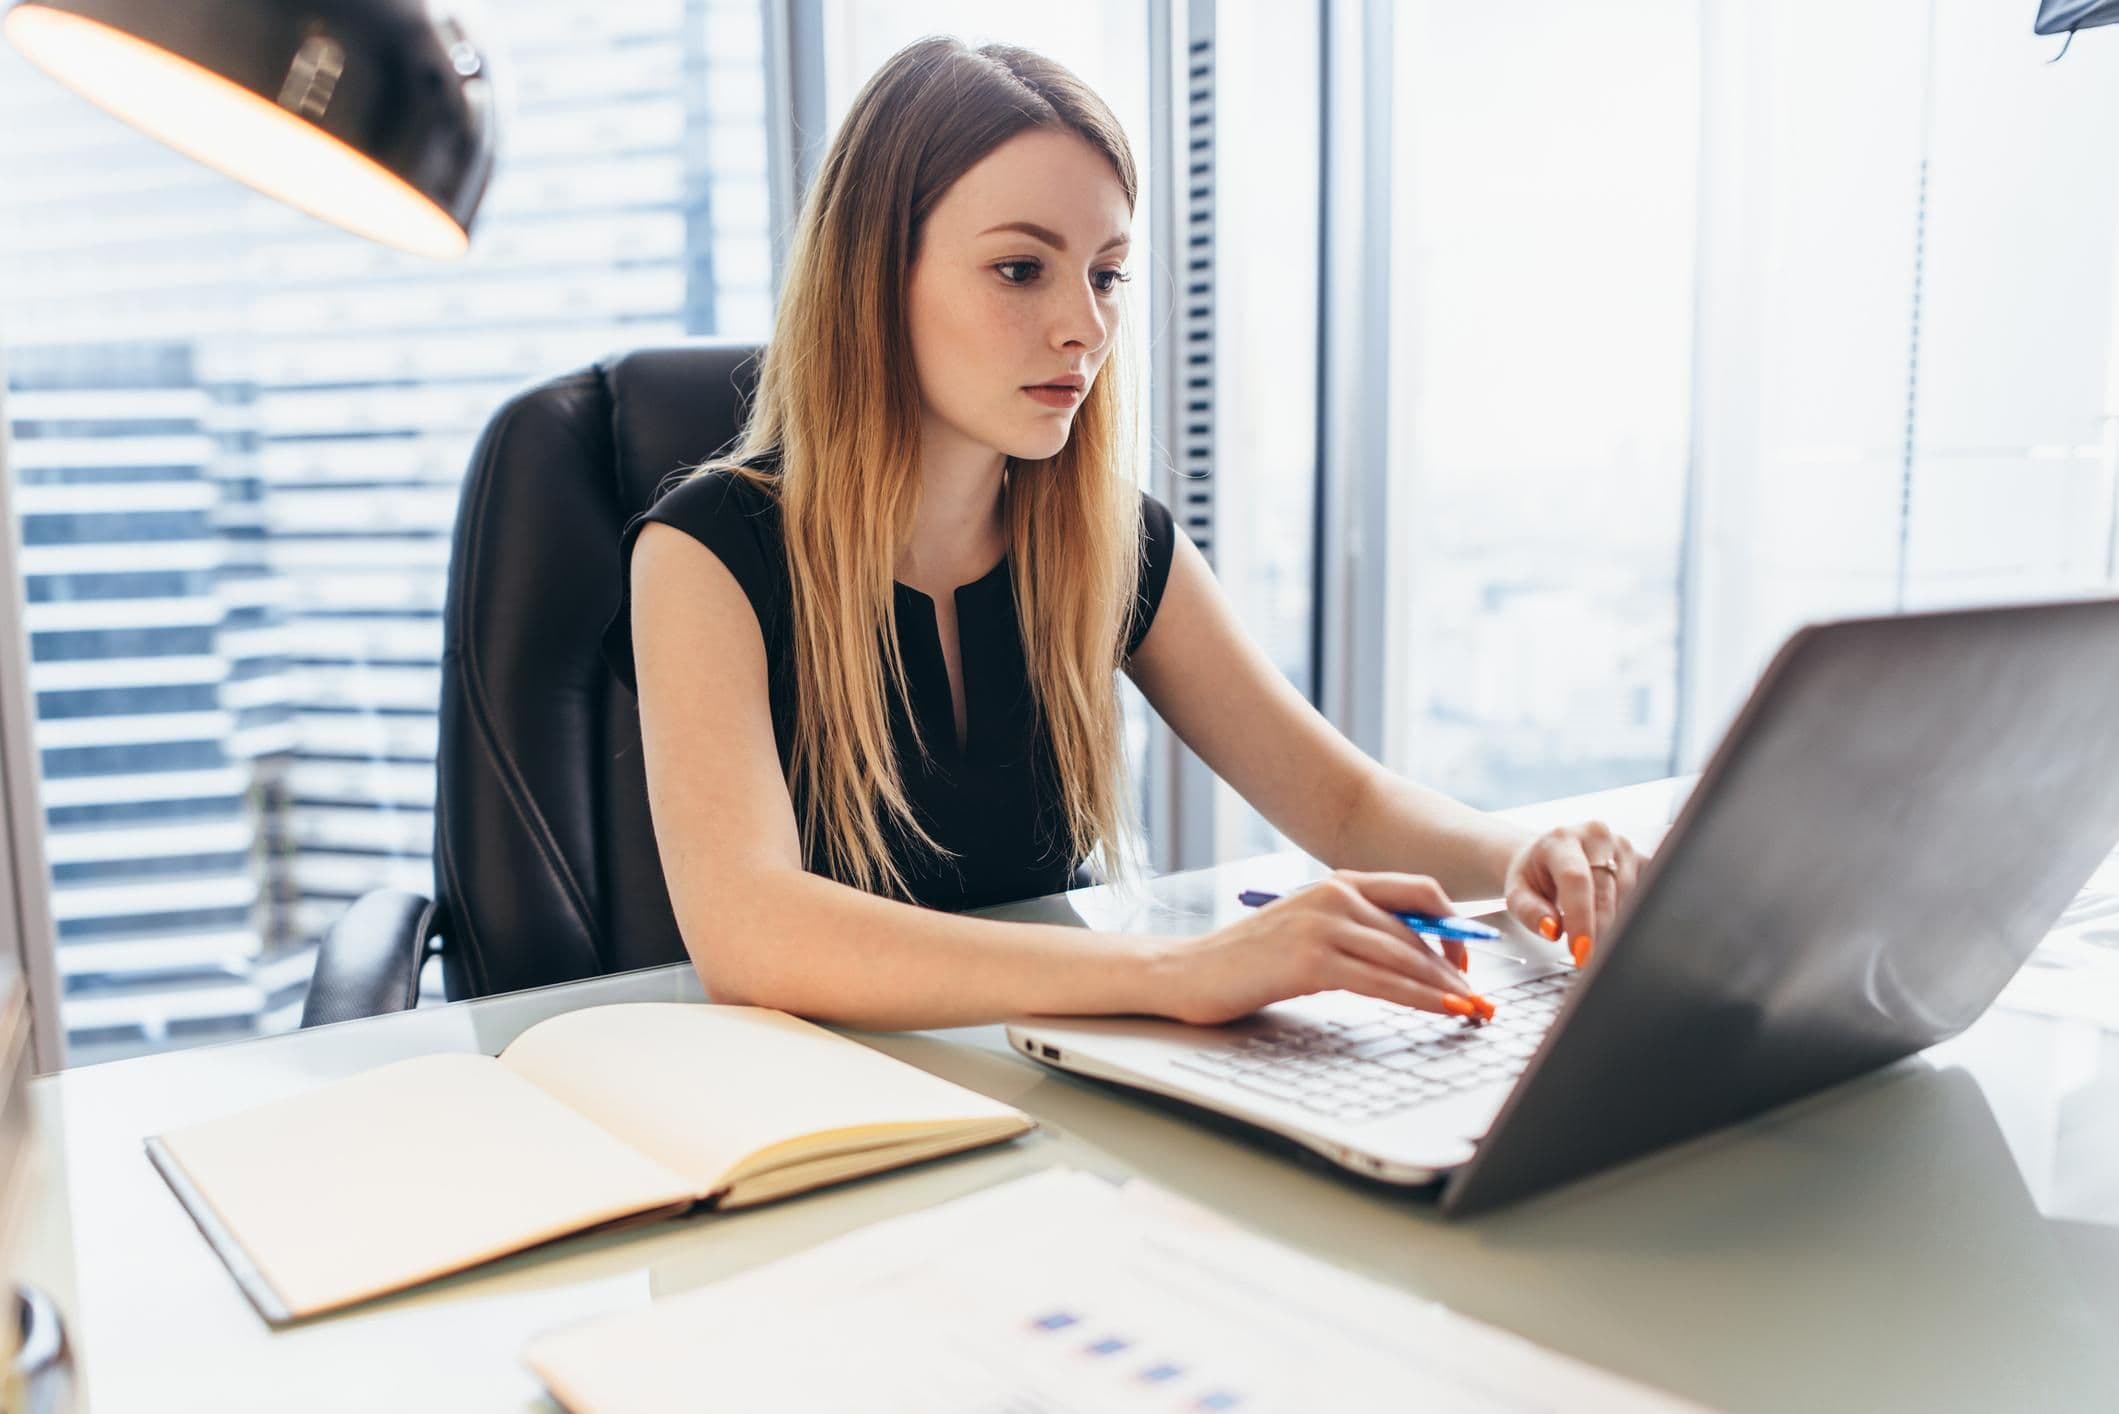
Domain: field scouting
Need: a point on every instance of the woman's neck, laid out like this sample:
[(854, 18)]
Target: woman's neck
[(960, 530)]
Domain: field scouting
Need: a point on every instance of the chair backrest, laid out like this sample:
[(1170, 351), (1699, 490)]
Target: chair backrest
[(544, 855)]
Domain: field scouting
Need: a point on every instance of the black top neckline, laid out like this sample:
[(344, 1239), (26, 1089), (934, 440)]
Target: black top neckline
[(980, 606), (979, 583)]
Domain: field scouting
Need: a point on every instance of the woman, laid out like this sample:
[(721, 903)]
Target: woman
[(877, 647)]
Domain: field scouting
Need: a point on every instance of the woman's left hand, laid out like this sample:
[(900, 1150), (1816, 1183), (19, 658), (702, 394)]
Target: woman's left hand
[(1571, 880)]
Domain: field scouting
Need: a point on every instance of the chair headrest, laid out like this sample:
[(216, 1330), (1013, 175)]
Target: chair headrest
[(673, 407)]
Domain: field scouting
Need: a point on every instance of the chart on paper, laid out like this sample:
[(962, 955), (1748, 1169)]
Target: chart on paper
[(1064, 1294)]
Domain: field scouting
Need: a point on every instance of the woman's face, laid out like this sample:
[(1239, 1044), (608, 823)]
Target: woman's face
[(1017, 285)]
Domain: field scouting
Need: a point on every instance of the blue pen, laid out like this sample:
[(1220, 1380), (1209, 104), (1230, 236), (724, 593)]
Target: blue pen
[(1463, 929)]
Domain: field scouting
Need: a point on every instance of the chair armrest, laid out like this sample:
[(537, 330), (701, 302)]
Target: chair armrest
[(369, 963)]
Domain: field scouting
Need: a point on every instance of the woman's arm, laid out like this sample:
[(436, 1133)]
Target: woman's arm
[(818, 948), (1200, 670), (1394, 820), (1208, 679)]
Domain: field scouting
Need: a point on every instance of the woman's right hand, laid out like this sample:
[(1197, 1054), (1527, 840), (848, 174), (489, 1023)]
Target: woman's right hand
[(1337, 933)]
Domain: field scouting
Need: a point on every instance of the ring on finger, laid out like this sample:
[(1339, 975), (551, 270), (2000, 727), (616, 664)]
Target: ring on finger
[(1609, 866)]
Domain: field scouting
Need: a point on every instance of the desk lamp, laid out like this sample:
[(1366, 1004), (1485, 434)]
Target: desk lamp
[(2054, 16), (374, 115)]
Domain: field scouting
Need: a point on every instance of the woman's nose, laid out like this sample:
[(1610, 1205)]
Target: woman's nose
[(1082, 321)]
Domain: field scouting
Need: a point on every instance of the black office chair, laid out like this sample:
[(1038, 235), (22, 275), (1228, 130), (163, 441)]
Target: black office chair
[(544, 857)]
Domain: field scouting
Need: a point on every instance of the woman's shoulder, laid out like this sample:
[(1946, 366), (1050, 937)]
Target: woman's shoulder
[(1158, 550), (1158, 529), (730, 509), (1156, 520), (735, 515), (720, 491), (732, 515)]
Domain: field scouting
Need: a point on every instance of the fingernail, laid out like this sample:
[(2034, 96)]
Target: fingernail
[(1549, 928), (1457, 1006), (1486, 1008), (1581, 946)]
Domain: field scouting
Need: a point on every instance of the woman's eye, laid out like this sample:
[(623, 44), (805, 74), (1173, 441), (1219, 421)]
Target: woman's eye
[(1007, 265), (1115, 279)]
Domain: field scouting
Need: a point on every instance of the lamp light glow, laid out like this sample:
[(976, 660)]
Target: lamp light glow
[(325, 141)]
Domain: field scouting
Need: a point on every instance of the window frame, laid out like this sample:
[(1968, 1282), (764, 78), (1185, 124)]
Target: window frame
[(28, 938)]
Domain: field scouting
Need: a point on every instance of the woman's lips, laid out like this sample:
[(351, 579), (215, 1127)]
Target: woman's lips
[(1054, 396)]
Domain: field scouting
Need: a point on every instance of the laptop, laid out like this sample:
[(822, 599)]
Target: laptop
[(1890, 825)]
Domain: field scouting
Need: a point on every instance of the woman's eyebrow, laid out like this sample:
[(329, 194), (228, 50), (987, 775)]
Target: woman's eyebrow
[(1052, 238)]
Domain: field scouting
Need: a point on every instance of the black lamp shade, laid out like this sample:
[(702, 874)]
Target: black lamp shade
[(375, 115), (2055, 16)]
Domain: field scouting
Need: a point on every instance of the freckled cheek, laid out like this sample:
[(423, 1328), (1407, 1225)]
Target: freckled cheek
[(994, 342), (1004, 326), (945, 346)]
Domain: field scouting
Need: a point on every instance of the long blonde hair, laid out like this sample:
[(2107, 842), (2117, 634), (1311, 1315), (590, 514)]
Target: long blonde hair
[(838, 401)]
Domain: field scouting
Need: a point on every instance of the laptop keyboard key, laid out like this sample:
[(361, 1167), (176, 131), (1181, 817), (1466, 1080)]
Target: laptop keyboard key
[(1360, 1066)]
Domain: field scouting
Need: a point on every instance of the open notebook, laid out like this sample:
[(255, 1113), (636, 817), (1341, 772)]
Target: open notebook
[(640, 1110)]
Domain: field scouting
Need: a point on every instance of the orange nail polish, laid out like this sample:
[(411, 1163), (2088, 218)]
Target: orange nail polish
[(1486, 1008), (1549, 928), (1458, 1006), (1581, 946)]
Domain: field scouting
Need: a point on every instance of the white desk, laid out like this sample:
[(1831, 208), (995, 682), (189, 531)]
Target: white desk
[(1941, 1236)]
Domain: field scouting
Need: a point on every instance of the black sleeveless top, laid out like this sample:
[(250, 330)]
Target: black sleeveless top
[(995, 804)]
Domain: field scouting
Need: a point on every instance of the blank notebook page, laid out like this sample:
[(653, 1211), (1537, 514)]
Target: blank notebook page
[(703, 1087), (409, 1171)]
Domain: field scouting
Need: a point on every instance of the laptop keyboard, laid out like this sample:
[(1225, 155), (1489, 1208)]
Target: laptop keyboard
[(1364, 1068)]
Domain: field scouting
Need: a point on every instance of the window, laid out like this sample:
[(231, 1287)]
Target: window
[(1264, 299), (1541, 333), (1103, 42), (1712, 318), (1907, 323), (238, 436)]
